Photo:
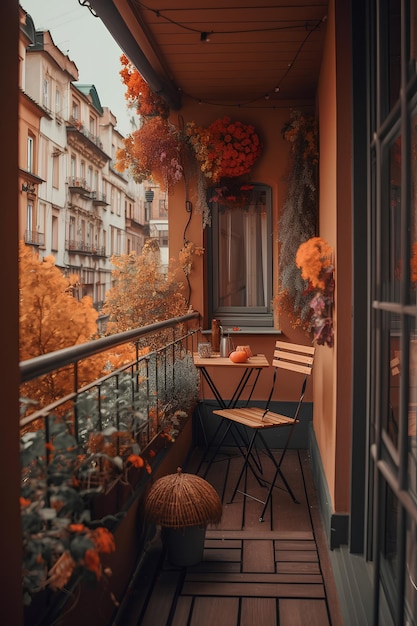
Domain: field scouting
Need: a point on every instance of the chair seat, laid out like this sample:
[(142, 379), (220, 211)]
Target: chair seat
[(253, 417)]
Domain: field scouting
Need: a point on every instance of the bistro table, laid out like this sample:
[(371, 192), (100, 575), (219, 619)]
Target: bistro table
[(254, 365), (249, 373)]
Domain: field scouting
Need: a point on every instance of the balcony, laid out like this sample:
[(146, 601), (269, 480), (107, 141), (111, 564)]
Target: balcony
[(34, 238), (99, 198), (81, 247), (78, 185), (150, 406)]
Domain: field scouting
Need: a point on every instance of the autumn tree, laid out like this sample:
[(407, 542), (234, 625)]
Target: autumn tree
[(52, 319), (142, 293)]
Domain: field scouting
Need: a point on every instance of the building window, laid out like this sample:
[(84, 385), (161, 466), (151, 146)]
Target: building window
[(29, 219), (54, 242), (46, 102), (31, 141), (58, 103), (75, 112), (73, 166), (240, 261), (55, 171), (119, 203), (93, 126)]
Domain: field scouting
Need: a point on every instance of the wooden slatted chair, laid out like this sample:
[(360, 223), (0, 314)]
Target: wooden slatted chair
[(288, 356)]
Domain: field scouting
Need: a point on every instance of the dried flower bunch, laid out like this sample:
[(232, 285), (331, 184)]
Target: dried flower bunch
[(153, 152), (226, 148), (314, 258)]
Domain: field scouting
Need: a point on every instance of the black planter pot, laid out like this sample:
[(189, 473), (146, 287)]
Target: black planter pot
[(184, 546)]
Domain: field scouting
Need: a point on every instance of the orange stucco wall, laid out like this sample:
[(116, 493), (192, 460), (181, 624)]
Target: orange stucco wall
[(332, 380), (271, 169)]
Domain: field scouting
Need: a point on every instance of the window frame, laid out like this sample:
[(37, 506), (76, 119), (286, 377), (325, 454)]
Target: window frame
[(251, 317)]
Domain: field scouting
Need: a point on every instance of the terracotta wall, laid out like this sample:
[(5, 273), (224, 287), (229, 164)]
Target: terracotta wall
[(271, 169), (332, 380)]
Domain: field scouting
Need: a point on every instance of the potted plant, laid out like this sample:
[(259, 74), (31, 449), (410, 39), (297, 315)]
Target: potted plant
[(183, 505)]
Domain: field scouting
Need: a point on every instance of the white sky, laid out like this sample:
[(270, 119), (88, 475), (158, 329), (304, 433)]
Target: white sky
[(90, 46)]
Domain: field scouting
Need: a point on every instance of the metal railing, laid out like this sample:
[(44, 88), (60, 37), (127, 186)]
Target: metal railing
[(126, 408)]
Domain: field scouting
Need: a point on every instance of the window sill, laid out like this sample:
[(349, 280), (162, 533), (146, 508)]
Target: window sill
[(248, 330)]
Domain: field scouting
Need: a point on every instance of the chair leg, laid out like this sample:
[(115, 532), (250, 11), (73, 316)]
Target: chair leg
[(278, 471), (245, 463)]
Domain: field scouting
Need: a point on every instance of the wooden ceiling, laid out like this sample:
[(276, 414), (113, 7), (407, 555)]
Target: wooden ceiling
[(233, 52)]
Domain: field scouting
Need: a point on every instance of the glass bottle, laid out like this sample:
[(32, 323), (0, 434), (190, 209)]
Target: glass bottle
[(215, 335)]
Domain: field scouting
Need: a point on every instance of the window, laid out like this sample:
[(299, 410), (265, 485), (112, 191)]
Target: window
[(55, 171), (240, 260), (57, 103), (29, 220), (119, 202), (392, 243), (75, 110), (54, 242), (73, 166), (31, 141), (93, 126), (46, 102)]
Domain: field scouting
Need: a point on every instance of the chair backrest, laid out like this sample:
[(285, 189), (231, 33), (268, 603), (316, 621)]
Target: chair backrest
[(295, 357)]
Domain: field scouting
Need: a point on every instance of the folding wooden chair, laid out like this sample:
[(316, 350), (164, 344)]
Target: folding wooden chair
[(288, 356)]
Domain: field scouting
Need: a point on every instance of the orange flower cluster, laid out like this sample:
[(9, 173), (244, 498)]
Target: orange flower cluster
[(152, 153), (313, 258), (138, 93), (90, 543), (225, 148)]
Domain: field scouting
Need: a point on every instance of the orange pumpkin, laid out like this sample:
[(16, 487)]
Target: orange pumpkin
[(238, 356)]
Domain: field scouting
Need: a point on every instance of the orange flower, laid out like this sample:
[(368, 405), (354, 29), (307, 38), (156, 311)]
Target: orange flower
[(76, 528), (103, 540), (314, 256), (92, 562), (24, 502), (135, 460)]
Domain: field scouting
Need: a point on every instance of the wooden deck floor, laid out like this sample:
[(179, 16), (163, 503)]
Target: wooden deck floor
[(271, 573)]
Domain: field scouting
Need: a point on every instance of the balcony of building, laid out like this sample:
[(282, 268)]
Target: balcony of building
[(79, 185), (81, 247), (99, 198), (152, 408), (34, 238)]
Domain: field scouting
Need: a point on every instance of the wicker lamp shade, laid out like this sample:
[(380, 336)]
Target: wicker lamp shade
[(182, 500)]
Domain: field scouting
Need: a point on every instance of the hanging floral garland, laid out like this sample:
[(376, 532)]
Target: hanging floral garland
[(298, 219)]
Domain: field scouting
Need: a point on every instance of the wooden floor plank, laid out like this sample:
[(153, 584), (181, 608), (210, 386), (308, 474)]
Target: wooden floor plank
[(248, 590), (210, 611), (294, 612), (301, 567), (244, 578), (252, 573), (296, 555), (259, 611), (258, 555), (162, 598)]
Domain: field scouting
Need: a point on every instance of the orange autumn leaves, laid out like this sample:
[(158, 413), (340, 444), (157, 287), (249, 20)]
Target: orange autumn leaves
[(86, 546)]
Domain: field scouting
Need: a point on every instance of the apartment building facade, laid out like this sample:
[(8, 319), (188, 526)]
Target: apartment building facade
[(73, 203)]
